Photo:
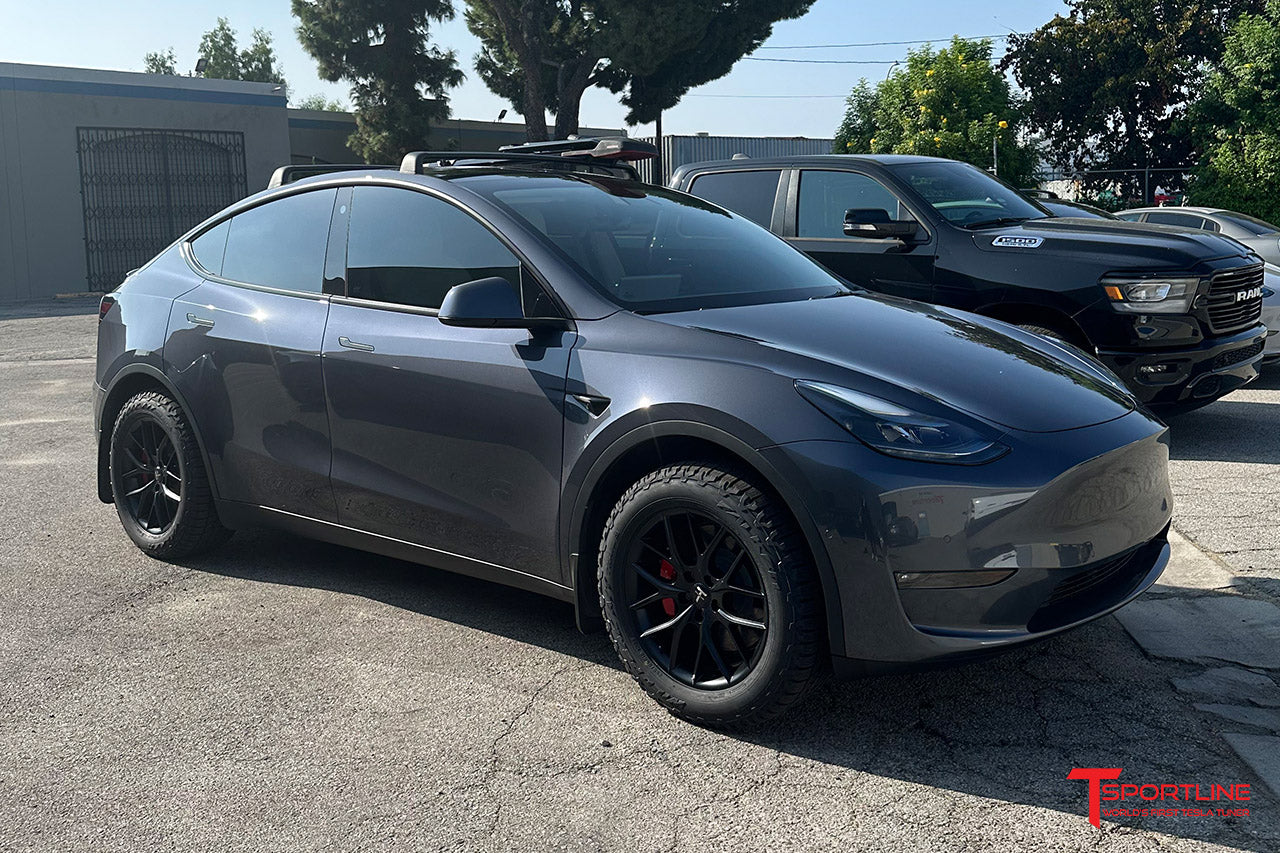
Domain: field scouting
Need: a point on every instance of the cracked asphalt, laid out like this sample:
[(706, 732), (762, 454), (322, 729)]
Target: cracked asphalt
[(290, 695)]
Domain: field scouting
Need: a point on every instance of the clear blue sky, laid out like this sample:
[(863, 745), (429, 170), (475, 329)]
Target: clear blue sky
[(116, 35)]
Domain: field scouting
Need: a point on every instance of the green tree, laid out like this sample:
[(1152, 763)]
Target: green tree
[(320, 102), (1109, 83), (544, 54), (161, 62), (1239, 118), (224, 60), (383, 49), (950, 102)]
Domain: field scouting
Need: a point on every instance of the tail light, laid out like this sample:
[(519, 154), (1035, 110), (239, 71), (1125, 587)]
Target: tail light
[(104, 306)]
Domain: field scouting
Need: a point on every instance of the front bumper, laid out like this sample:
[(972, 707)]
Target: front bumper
[(1271, 319), (1196, 375), (1080, 517)]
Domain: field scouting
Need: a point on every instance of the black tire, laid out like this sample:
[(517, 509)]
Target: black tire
[(150, 438), (767, 580)]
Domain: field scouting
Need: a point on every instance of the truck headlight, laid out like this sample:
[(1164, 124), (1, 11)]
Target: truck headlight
[(1151, 295), (897, 431)]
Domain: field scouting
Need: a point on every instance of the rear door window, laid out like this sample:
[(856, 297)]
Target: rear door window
[(1184, 220), (408, 248), (281, 243), (746, 193), (826, 196)]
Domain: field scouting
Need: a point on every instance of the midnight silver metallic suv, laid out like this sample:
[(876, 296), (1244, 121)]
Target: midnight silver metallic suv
[(540, 371)]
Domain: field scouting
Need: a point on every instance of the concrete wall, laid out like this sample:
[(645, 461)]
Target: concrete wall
[(42, 236)]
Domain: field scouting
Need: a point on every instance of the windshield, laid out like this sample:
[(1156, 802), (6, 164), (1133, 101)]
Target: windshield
[(966, 196), (651, 250)]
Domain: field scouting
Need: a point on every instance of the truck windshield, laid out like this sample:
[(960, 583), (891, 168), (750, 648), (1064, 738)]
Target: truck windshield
[(967, 196), (654, 250)]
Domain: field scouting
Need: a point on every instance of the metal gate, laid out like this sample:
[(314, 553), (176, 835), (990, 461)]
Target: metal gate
[(143, 188)]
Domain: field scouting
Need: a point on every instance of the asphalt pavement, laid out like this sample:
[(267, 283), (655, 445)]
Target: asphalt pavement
[(289, 695)]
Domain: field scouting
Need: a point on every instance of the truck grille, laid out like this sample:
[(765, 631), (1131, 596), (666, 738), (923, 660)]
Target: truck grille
[(1227, 311), (1236, 356)]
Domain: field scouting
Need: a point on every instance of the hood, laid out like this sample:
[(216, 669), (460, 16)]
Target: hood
[(984, 368), (1118, 244)]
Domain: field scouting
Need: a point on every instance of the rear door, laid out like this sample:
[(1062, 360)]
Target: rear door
[(244, 351), (896, 267), (445, 437), (753, 193)]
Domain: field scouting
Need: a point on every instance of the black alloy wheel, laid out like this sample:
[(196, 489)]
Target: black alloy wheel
[(710, 596), (158, 479), (698, 600), (152, 478)]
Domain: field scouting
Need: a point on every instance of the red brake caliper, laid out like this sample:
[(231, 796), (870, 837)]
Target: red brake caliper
[(667, 572)]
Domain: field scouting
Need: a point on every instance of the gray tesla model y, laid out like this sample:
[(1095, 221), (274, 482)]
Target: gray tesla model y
[(538, 370)]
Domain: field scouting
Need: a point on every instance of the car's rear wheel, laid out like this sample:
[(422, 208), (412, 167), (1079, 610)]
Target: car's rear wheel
[(158, 481), (709, 596)]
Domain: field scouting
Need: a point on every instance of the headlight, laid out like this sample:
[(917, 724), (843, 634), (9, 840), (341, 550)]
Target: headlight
[(1151, 295), (896, 431)]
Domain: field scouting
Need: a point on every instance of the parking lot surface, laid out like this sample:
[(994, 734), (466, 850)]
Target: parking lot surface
[(288, 695)]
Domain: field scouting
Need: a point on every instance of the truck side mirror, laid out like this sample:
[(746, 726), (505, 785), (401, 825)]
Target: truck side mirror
[(875, 223)]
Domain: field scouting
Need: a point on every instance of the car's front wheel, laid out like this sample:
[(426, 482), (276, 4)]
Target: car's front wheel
[(709, 596), (158, 480)]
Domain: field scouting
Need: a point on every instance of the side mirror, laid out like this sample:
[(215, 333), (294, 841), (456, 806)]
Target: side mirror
[(875, 223), (488, 303), (485, 302)]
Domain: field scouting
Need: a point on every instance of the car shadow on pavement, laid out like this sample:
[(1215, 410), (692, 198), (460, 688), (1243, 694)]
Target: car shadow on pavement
[(1228, 431), (1007, 729)]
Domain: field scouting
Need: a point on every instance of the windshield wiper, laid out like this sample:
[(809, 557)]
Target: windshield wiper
[(991, 223)]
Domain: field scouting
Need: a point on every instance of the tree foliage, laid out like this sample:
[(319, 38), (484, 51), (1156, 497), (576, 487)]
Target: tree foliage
[(224, 60), (383, 48), (319, 102), (161, 62), (544, 54), (1239, 121), (1108, 84), (950, 102)]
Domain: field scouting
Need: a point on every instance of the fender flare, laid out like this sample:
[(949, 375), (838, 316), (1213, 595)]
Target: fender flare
[(104, 429), (580, 487)]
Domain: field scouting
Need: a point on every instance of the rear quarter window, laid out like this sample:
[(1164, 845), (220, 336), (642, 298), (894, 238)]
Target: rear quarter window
[(746, 193), (281, 243)]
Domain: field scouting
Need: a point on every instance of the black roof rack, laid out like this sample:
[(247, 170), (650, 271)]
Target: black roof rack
[(606, 156), (289, 174)]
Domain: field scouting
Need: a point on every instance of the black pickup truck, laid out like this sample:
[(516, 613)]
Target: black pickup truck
[(1174, 313)]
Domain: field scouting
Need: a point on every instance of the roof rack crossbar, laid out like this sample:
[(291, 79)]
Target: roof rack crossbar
[(414, 162), (298, 171)]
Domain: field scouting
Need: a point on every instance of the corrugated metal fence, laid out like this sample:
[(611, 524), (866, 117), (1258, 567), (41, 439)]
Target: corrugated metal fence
[(679, 150)]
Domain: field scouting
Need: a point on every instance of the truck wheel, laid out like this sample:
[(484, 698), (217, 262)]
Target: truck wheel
[(158, 480), (709, 596)]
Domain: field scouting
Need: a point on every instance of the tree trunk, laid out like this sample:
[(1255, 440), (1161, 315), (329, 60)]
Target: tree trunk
[(572, 82), (534, 109)]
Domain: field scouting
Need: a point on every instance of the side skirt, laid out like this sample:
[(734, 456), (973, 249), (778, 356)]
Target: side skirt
[(236, 515)]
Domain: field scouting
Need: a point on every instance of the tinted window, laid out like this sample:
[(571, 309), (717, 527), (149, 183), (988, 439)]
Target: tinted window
[(281, 243), (825, 196), (1247, 224), (1185, 220), (748, 194), (1130, 217), (651, 249), (965, 195), (209, 247), (409, 248)]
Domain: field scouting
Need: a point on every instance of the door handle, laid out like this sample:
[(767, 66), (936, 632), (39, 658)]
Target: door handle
[(199, 321), (344, 341)]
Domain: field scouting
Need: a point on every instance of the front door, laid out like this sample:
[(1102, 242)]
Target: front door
[(444, 437), (897, 267)]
